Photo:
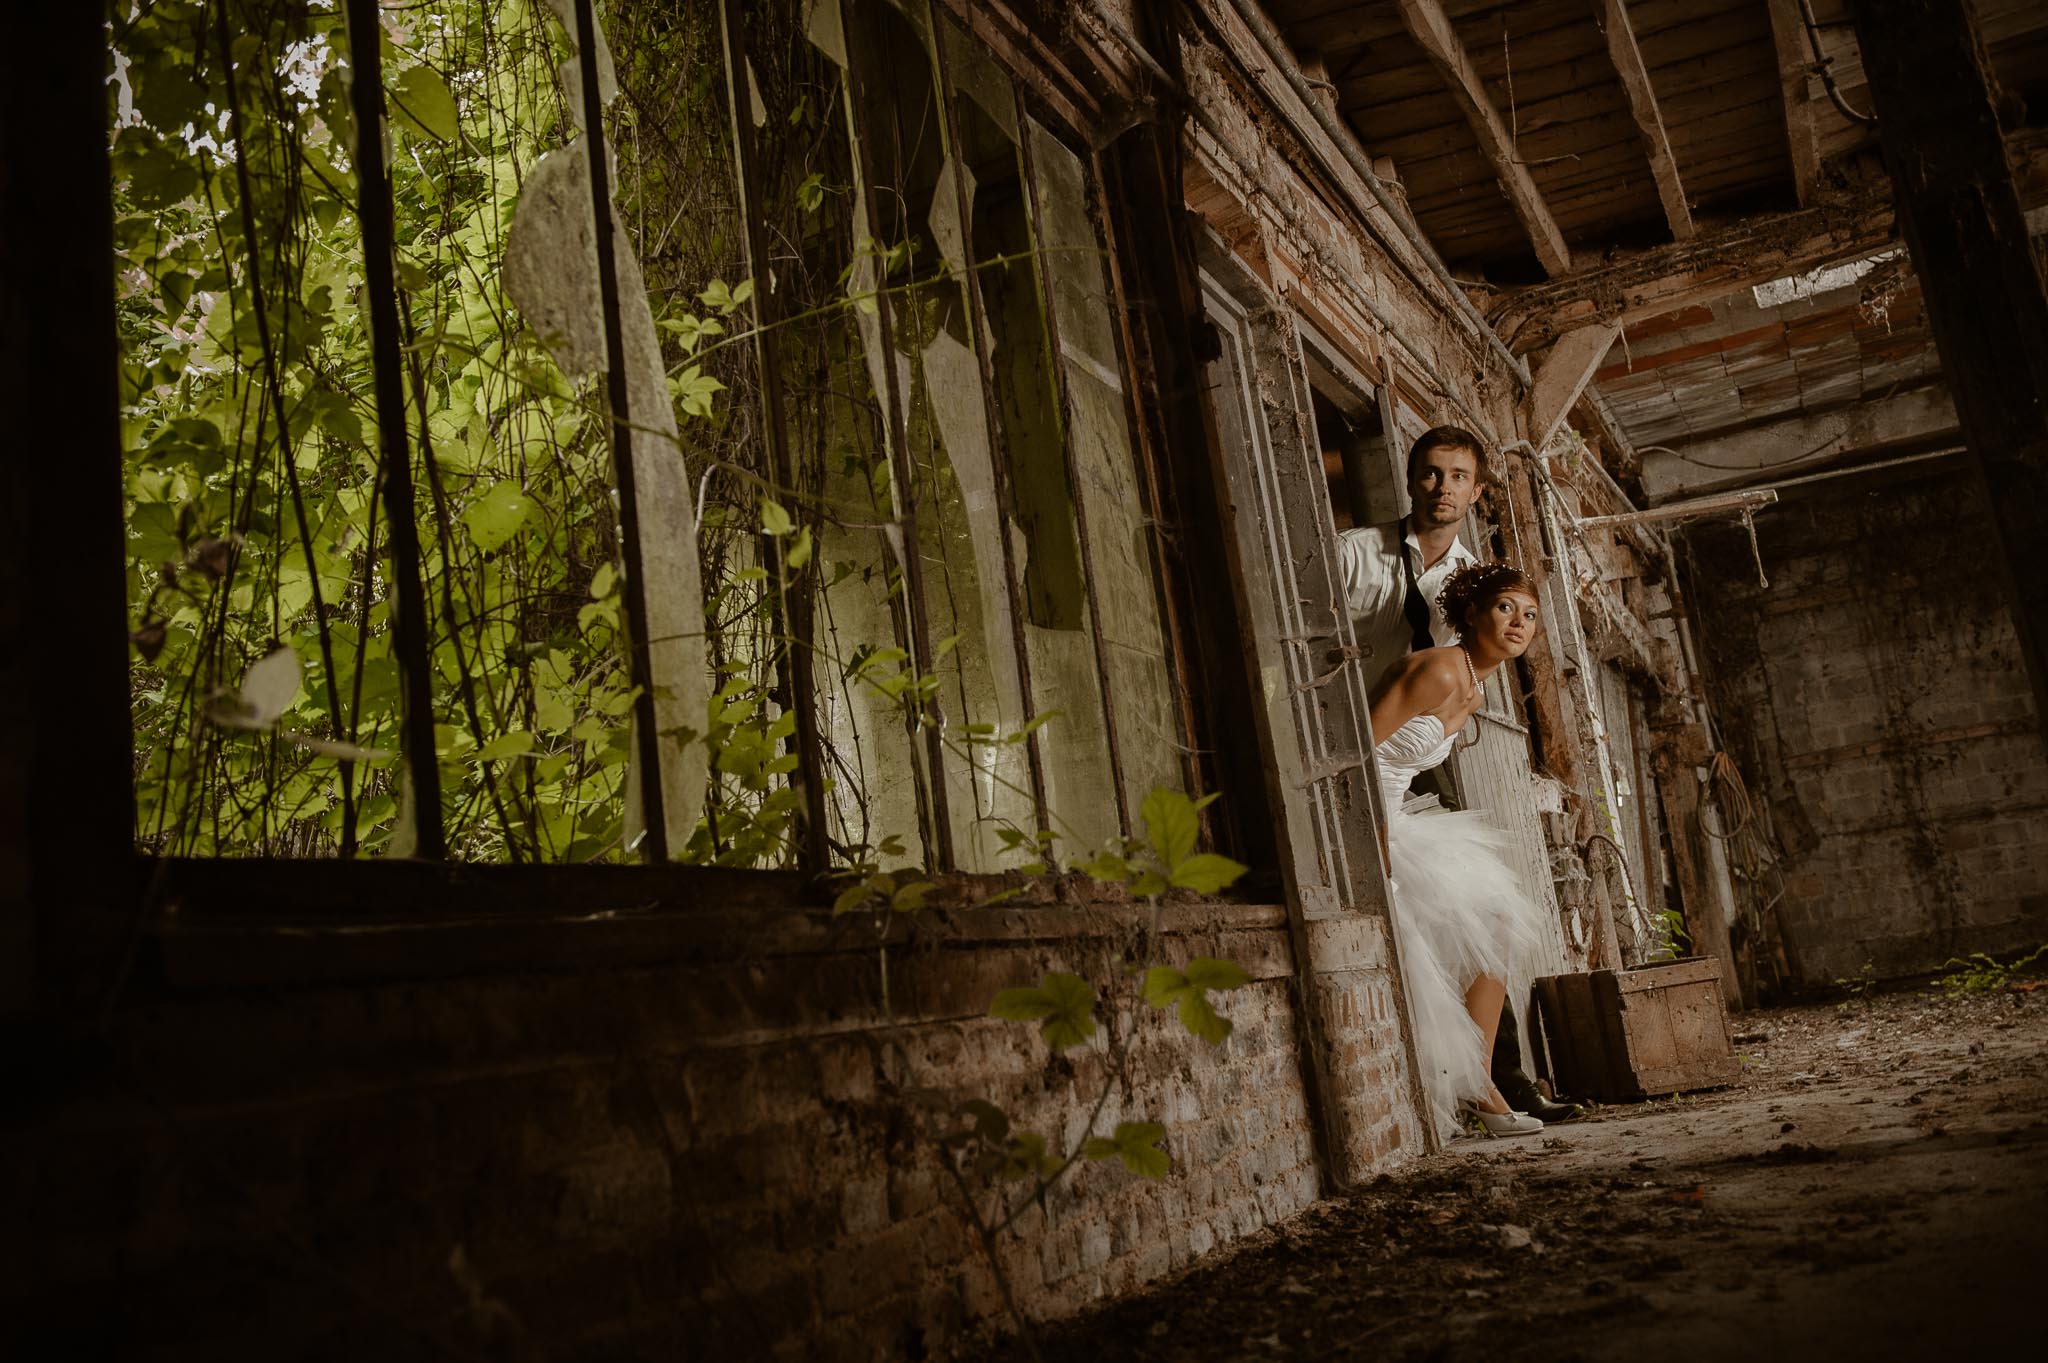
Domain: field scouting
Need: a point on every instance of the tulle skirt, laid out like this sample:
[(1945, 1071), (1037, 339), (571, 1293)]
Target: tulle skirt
[(1460, 912)]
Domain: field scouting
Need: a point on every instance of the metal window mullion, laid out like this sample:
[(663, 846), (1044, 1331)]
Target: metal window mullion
[(374, 211), (647, 739), (938, 832), (793, 621), (1057, 359), (999, 456)]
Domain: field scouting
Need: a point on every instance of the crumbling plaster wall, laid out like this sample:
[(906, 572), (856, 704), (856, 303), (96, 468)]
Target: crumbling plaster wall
[(1885, 716), (681, 1133)]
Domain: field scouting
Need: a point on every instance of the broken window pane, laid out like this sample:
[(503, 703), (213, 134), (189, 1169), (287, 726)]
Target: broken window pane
[(1113, 503)]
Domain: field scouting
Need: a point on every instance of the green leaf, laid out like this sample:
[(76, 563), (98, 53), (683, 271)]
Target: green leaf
[(1201, 1019), (1065, 1002), (1188, 992), (1206, 873), (516, 743), (497, 515), (1137, 1145), (811, 192), (851, 898), (1171, 826), (774, 518), (799, 552), (1206, 972), (1107, 867), (1163, 984), (420, 101), (1148, 884), (1036, 723), (910, 898)]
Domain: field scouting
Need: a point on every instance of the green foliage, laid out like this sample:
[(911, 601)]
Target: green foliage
[(1136, 1144), (1856, 989), (1065, 1002), (1981, 973), (1187, 992), (1165, 857), (250, 425)]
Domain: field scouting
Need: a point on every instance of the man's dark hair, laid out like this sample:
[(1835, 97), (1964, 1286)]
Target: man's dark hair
[(1453, 437)]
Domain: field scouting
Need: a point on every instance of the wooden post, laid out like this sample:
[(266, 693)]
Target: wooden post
[(1939, 120), (67, 803)]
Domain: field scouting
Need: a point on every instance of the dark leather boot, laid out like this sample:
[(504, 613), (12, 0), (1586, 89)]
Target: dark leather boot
[(1514, 1083)]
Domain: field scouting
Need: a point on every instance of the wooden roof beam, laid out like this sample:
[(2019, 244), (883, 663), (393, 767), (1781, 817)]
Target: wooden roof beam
[(1431, 28), (1841, 224), (1642, 103), (1721, 259), (1795, 82)]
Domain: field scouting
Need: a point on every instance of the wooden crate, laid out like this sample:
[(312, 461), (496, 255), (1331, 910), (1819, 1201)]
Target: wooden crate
[(1615, 1035)]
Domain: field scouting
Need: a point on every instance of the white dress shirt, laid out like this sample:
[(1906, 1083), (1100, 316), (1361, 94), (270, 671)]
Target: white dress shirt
[(1375, 588)]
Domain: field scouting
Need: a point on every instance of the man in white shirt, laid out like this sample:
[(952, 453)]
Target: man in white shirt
[(1392, 574)]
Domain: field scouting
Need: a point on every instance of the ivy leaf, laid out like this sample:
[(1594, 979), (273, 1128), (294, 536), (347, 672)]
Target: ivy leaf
[(1188, 993), (1065, 1002), (1163, 984), (1206, 873), (1137, 1145), (811, 192), (420, 100), (497, 515), (1201, 1019), (1206, 972), (1170, 825)]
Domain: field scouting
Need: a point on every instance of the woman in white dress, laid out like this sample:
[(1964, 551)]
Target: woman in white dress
[(1462, 918)]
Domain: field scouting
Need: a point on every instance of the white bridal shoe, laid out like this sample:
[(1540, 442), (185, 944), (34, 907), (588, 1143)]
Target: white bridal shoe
[(1508, 1123)]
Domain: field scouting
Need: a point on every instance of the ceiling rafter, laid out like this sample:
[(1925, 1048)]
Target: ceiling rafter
[(1431, 28), (1642, 103), (1795, 82)]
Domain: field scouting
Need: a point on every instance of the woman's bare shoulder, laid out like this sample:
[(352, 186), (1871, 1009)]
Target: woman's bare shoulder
[(1432, 671)]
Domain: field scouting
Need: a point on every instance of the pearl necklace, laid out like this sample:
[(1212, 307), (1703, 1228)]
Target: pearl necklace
[(1470, 670)]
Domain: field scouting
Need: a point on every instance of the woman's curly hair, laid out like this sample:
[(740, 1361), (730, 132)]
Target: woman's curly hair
[(1477, 586)]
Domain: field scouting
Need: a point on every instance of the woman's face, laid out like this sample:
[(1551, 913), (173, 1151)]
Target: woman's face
[(1507, 623)]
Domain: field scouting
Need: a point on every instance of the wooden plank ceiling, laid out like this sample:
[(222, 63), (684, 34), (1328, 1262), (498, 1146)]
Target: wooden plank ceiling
[(1539, 142)]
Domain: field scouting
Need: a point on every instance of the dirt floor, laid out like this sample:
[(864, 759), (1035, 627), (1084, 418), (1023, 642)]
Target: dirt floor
[(1876, 1186)]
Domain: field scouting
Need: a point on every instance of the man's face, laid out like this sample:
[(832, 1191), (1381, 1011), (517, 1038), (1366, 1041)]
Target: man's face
[(1442, 485)]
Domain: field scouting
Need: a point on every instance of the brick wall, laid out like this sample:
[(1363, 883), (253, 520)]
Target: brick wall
[(1874, 694), (688, 1134)]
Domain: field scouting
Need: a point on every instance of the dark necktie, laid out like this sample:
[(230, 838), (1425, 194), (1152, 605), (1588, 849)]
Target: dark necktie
[(1415, 608)]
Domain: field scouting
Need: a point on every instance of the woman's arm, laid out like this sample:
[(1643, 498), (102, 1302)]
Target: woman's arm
[(1417, 685)]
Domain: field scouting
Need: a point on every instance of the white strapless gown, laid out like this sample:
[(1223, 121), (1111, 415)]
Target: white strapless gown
[(1459, 912)]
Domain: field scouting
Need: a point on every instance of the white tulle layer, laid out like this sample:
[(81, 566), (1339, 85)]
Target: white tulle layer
[(1460, 913)]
